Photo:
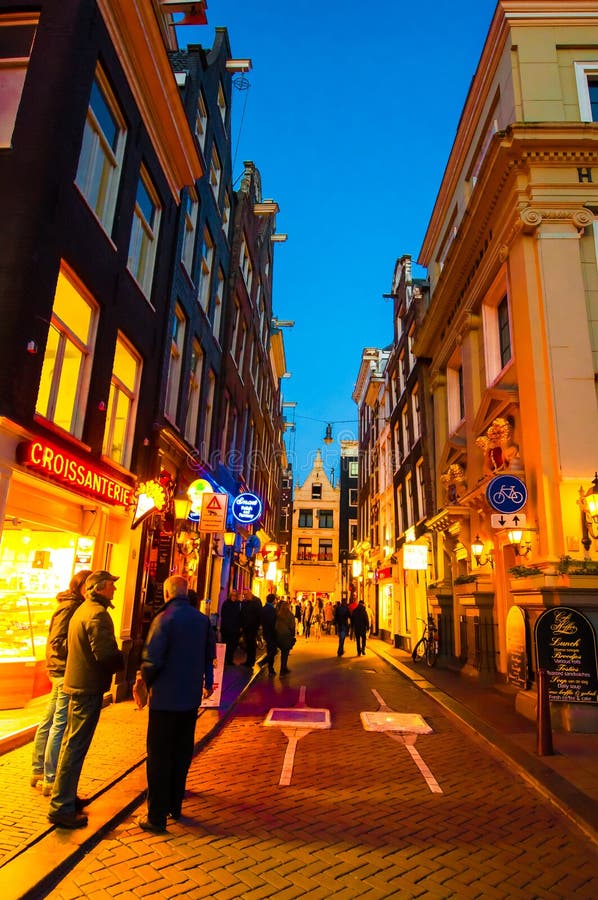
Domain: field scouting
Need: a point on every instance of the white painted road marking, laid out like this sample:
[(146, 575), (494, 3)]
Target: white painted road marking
[(296, 722), (402, 727)]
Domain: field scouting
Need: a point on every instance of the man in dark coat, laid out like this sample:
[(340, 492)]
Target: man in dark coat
[(360, 621), (230, 626), (177, 665), (341, 620), (92, 659), (251, 617), (269, 631)]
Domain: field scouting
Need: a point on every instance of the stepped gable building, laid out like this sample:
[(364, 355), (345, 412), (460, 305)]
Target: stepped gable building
[(314, 569)]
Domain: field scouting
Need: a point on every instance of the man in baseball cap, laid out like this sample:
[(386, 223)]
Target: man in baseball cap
[(93, 657)]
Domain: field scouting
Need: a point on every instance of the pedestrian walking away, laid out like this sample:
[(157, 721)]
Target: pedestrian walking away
[(177, 665), (230, 626), (50, 731), (341, 621), (285, 634), (269, 631), (93, 656), (251, 616), (360, 622)]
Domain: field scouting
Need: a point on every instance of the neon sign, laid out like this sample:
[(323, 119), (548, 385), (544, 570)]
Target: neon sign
[(72, 471), (247, 508)]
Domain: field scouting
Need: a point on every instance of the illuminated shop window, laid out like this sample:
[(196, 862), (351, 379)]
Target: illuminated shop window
[(122, 403), (64, 381), (102, 150)]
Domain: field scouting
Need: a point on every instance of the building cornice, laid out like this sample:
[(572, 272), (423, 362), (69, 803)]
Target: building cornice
[(135, 31), (510, 198)]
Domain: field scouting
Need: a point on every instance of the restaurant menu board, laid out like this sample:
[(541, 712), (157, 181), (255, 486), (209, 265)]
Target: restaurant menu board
[(517, 648), (566, 649)]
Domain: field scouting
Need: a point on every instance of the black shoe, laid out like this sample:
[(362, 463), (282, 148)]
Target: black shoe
[(146, 825), (175, 815), (285, 671), (81, 803), (68, 820)]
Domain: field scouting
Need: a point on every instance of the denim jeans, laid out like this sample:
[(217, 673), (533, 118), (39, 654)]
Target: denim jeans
[(48, 736), (342, 634), (83, 715)]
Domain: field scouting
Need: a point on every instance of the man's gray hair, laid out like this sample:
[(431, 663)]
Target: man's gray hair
[(175, 586)]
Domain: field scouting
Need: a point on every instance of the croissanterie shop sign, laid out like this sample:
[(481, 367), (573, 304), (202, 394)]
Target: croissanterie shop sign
[(72, 471)]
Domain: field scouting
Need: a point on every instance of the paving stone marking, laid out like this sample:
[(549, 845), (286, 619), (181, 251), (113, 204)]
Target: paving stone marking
[(295, 722)]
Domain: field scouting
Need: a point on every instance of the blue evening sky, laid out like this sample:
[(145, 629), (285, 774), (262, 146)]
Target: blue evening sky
[(350, 117)]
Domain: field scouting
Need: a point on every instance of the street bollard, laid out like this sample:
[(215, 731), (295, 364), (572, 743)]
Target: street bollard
[(544, 725)]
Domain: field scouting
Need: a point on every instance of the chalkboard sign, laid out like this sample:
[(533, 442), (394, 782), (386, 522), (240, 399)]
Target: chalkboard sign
[(517, 648), (566, 649)]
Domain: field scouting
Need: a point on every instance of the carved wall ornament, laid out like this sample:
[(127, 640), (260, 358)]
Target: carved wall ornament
[(582, 218), (454, 482), (500, 451), (532, 218)]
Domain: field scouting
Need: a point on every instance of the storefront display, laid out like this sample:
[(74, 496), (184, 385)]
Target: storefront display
[(34, 567)]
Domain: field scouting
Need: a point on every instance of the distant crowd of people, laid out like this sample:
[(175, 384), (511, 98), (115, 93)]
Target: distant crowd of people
[(176, 672)]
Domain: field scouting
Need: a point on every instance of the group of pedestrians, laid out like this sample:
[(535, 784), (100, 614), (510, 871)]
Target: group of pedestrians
[(82, 655), (278, 628), (176, 673), (354, 620)]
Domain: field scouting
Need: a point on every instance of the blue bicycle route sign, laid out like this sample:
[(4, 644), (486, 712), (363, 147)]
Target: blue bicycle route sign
[(506, 493)]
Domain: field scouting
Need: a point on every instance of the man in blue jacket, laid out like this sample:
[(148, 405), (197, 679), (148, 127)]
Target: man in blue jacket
[(177, 665)]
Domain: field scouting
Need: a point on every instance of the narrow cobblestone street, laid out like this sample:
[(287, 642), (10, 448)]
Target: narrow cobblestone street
[(358, 818)]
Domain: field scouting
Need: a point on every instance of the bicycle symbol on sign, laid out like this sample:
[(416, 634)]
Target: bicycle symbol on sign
[(507, 493)]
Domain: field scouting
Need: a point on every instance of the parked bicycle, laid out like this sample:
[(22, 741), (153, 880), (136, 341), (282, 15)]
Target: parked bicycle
[(427, 646)]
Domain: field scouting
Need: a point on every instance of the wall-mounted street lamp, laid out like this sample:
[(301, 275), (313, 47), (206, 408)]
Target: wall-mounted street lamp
[(588, 502), (477, 550), (521, 546)]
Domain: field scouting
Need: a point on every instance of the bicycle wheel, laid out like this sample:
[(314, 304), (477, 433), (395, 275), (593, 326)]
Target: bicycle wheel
[(431, 653), (419, 651)]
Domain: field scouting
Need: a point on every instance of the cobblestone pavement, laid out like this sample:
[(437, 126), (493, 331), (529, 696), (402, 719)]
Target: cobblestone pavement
[(23, 811), (358, 818)]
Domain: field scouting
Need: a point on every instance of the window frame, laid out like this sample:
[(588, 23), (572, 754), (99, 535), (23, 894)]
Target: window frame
[(495, 367), (178, 334), (325, 518), (194, 391), (583, 72), (306, 518), (133, 397), (104, 207), (86, 350), (149, 232), (190, 216), (15, 64)]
